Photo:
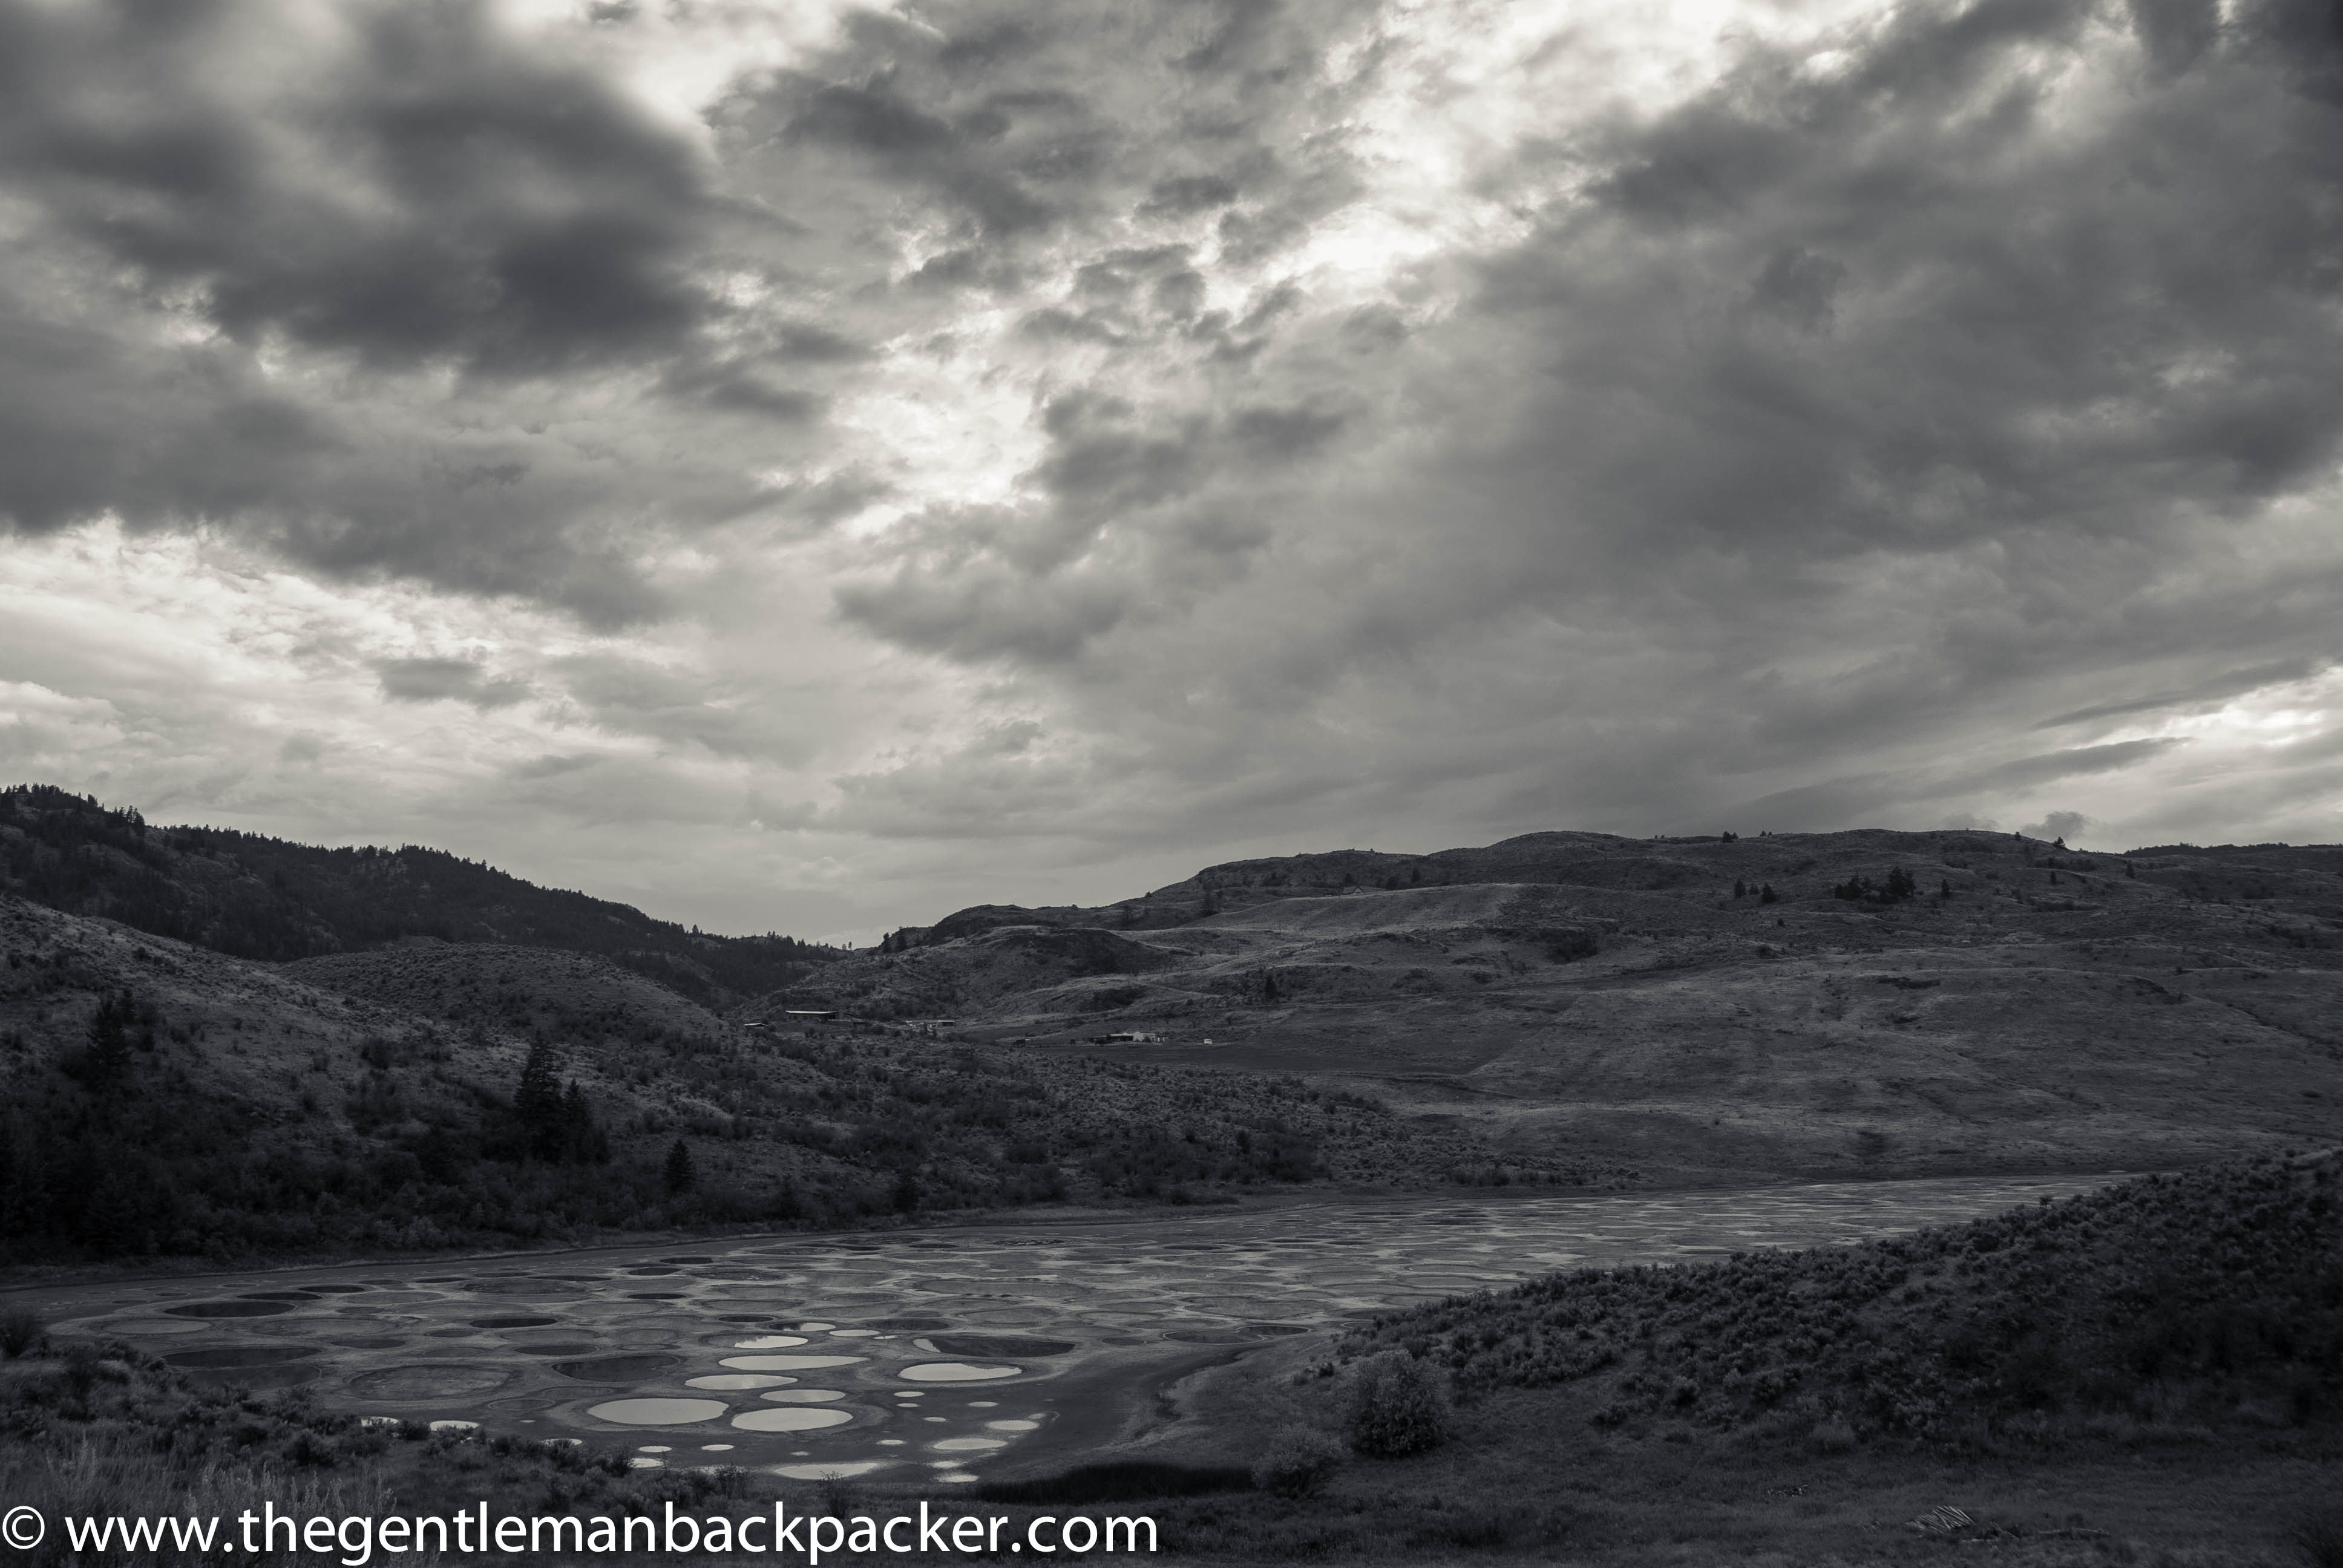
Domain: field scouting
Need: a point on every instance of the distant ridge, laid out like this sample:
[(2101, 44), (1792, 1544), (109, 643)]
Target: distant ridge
[(254, 897)]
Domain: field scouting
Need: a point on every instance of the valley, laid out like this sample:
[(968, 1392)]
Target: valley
[(455, 1188)]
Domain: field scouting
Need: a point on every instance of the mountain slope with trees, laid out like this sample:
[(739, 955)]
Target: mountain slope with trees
[(159, 1100), (259, 898)]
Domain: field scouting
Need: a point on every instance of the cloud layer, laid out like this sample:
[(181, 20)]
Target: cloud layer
[(985, 451)]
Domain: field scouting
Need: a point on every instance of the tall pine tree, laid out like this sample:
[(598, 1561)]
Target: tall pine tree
[(537, 1103)]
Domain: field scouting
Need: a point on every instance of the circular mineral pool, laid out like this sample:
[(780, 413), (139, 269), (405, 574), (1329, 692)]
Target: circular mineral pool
[(739, 1380), (999, 1345), (429, 1381), (525, 1287), (799, 1419), (1011, 1425), (151, 1326), (839, 1469), (230, 1309), (955, 1372), (969, 1444), (658, 1412), (853, 1333), (789, 1364), (239, 1356), (805, 1395), (642, 1461), (514, 1323), (617, 1369), (768, 1343)]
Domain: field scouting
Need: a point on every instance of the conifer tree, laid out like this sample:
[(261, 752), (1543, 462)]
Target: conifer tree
[(582, 1141), (679, 1174), (537, 1103)]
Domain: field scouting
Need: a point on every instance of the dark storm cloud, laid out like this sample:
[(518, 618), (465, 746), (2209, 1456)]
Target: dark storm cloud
[(437, 194), (1137, 519), (1853, 413), (1017, 131), (412, 238), (453, 679), (728, 718), (1863, 799)]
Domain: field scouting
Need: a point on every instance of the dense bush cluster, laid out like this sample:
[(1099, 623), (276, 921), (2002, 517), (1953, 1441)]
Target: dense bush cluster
[(1398, 1405), (2218, 1292), (129, 1146)]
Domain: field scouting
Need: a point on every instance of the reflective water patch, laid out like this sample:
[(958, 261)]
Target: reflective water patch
[(658, 1412), (955, 1372), (799, 1419)]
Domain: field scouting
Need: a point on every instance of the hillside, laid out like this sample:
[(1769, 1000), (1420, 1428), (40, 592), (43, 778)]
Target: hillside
[(2148, 1373), (534, 993), (1866, 1002), (2212, 1299), (158, 1099), (261, 898)]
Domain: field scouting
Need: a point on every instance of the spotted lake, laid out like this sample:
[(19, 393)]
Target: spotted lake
[(926, 1354)]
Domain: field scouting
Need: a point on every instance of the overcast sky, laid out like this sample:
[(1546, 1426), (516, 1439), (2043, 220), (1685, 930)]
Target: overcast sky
[(795, 466)]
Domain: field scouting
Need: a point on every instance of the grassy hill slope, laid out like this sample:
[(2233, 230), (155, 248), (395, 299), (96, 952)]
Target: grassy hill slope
[(1863, 1002)]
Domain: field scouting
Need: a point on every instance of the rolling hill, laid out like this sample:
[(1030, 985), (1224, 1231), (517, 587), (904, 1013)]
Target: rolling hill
[(1855, 1003), (261, 898)]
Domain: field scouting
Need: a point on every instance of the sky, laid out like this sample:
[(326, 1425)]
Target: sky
[(809, 466)]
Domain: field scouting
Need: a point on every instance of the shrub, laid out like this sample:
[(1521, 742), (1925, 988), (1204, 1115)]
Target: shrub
[(1833, 1435), (1399, 1405), (20, 1330), (1298, 1461), (2320, 1541), (1118, 1481)]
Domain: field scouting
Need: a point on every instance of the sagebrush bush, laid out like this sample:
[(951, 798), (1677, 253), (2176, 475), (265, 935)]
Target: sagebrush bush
[(1298, 1461), (1399, 1405), (2320, 1541), (20, 1330)]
